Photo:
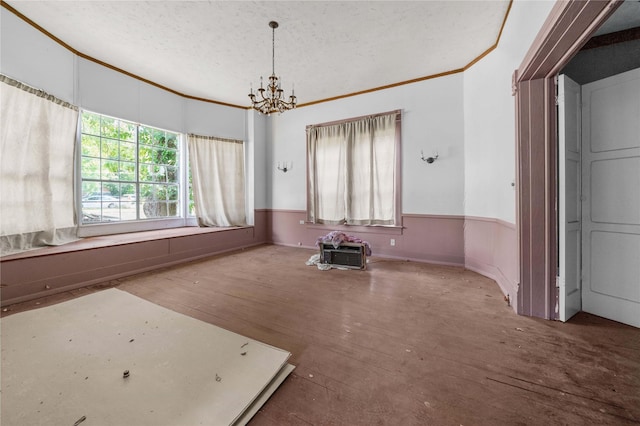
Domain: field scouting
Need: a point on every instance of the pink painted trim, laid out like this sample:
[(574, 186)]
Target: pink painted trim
[(31, 277), (99, 259), (437, 239), (566, 29), (102, 279), (424, 238)]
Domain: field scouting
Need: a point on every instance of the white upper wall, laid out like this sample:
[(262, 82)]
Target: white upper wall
[(489, 116), (432, 121), (28, 56), (31, 57), (468, 118), (475, 139)]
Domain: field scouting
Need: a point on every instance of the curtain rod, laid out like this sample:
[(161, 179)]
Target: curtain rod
[(398, 112), (37, 92), (215, 138)]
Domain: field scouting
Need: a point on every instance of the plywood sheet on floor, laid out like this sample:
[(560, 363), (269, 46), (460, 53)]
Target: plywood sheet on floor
[(67, 362)]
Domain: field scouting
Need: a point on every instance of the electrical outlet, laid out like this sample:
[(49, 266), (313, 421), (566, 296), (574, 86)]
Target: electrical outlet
[(393, 242), (302, 222)]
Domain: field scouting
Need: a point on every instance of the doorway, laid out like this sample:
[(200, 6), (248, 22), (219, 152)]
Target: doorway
[(567, 29), (599, 197)]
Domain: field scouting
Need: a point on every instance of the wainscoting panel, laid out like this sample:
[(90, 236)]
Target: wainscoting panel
[(491, 249), (422, 238), (486, 246), (99, 259)]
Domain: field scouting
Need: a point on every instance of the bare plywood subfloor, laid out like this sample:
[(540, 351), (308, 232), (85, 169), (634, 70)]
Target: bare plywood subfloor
[(403, 343)]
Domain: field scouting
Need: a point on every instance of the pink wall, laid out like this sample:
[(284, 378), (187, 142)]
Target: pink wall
[(484, 245), (423, 238), (487, 246), (100, 259), (491, 249)]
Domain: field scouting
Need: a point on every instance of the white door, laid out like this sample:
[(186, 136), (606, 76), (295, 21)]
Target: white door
[(611, 197), (570, 295)]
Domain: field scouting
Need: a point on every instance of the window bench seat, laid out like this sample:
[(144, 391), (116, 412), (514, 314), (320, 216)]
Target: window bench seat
[(93, 260)]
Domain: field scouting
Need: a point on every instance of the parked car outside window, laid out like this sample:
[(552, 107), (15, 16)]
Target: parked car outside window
[(100, 201)]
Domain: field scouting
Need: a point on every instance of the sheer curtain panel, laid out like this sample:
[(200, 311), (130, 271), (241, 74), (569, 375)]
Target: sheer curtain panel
[(353, 171), (37, 141), (217, 171)]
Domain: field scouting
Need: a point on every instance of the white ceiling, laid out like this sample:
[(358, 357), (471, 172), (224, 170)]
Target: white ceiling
[(216, 49)]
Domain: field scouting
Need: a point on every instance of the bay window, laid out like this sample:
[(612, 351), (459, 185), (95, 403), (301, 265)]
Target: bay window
[(129, 172)]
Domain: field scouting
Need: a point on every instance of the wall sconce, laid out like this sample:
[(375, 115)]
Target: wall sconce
[(429, 159), (285, 167)]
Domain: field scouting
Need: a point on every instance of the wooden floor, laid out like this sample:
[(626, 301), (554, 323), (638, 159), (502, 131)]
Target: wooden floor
[(402, 343)]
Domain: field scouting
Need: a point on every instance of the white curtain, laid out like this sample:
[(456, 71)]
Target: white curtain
[(217, 171), (37, 142), (352, 175)]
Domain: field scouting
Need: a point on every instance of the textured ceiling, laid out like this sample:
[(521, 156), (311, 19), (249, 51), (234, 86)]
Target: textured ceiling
[(216, 49)]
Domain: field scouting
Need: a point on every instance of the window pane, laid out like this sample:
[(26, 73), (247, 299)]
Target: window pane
[(110, 148), (91, 124), (117, 156), (98, 204), (159, 200), (158, 138), (127, 131), (128, 151), (90, 168), (167, 156), (91, 145), (172, 174), (144, 136), (172, 142), (128, 171), (146, 154), (151, 173), (109, 128), (89, 188), (109, 170)]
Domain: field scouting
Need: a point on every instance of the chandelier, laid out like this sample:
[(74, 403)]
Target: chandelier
[(271, 99)]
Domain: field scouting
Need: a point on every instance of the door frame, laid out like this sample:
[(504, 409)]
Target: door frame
[(567, 28)]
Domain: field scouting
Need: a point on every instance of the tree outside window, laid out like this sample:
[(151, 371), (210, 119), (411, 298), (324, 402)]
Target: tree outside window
[(129, 171)]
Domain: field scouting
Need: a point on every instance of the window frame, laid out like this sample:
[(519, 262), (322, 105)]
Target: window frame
[(183, 218), (397, 173)]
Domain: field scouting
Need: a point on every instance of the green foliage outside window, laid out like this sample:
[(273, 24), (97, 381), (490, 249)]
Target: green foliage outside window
[(139, 164)]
